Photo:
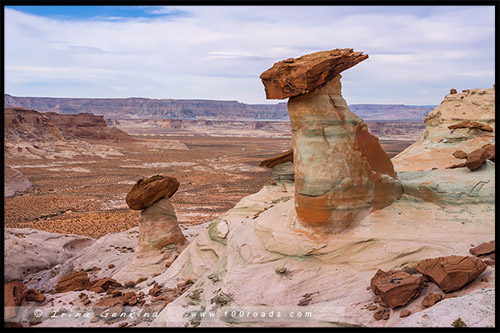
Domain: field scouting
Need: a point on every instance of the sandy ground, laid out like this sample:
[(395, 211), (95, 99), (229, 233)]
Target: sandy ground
[(85, 195)]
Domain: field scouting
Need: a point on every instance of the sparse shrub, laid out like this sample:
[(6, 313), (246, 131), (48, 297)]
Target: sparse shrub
[(409, 270), (280, 270), (459, 323)]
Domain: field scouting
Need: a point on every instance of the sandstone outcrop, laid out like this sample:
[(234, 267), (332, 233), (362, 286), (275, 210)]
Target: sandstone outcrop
[(483, 249), (73, 281), (471, 116), (476, 309), (14, 181), (341, 171), (396, 288), (452, 272), (281, 166), (47, 257), (451, 187), (471, 125), (160, 237), (147, 191), (31, 251), (294, 77)]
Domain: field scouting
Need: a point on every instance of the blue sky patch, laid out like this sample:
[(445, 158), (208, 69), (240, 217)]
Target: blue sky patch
[(107, 13)]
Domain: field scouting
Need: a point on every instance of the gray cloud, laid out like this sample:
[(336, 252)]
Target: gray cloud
[(416, 53)]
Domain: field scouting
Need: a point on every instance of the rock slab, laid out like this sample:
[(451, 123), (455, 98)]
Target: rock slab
[(483, 249), (396, 288), (452, 272), (293, 77)]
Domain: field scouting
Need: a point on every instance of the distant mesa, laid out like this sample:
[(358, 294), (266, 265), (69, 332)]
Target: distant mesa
[(178, 111), (86, 126), (51, 125)]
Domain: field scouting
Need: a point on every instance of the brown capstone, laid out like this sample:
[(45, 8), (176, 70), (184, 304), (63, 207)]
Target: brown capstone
[(279, 159), (147, 191), (294, 77)]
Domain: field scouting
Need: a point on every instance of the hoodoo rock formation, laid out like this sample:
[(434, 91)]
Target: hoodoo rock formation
[(160, 237), (341, 171)]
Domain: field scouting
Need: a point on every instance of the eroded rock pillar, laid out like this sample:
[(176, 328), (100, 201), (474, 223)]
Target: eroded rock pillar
[(160, 237), (341, 171)]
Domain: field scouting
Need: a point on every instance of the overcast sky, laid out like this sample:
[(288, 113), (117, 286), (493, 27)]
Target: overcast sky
[(416, 54)]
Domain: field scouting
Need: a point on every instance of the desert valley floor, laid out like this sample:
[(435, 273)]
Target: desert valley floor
[(85, 195)]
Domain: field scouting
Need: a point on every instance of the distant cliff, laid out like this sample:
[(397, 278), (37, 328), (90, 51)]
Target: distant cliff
[(33, 126), (144, 108)]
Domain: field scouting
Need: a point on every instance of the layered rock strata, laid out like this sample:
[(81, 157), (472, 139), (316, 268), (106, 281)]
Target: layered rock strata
[(160, 237), (341, 171)]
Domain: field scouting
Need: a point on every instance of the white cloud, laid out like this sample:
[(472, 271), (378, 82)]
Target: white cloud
[(416, 53)]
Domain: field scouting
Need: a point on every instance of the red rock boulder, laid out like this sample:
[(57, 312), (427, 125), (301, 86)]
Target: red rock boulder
[(483, 249), (73, 281), (101, 285), (431, 299), (460, 154), (147, 191), (452, 272), (490, 148), (396, 288), (476, 158)]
